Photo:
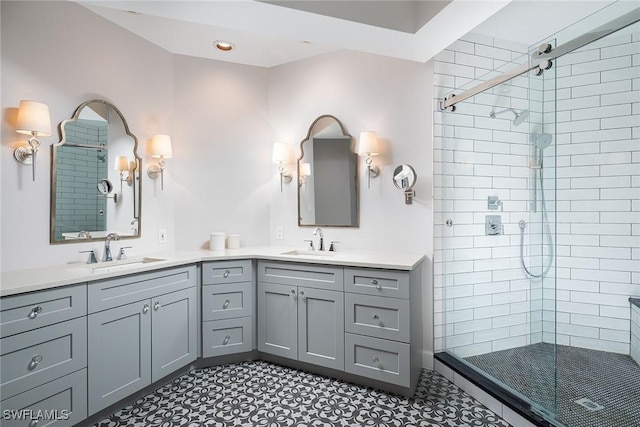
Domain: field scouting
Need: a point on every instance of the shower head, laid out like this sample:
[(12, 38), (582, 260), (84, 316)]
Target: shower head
[(517, 120), (541, 140)]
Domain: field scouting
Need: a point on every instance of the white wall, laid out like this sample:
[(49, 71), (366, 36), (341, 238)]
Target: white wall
[(61, 54), (222, 152)]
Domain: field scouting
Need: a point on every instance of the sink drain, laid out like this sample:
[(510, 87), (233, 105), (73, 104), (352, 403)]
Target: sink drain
[(589, 404)]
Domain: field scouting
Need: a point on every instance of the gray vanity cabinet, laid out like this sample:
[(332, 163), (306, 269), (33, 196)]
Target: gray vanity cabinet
[(43, 357), (301, 313), (133, 345), (119, 353), (228, 295)]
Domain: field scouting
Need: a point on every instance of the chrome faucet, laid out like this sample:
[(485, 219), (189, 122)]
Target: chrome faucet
[(107, 246), (321, 242)]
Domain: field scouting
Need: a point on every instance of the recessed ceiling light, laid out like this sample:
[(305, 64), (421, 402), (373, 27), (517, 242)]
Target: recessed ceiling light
[(223, 45)]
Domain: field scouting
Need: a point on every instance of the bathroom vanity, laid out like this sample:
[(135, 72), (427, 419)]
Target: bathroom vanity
[(82, 341)]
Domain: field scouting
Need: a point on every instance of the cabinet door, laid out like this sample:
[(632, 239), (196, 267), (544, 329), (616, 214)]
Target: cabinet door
[(277, 320), (174, 332), (321, 327), (119, 353)]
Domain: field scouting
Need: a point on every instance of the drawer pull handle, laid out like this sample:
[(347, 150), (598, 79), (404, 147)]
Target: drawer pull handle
[(226, 339), (35, 311), (157, 305), (145, 309), (35, 360), (226, 274), (375, 283), (226, 304), (376, 362), (377, 319)]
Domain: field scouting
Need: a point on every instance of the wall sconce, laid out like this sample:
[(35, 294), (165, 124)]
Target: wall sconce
[(159, 148), (305, 173), (34, 120), (282, 156), (368, 146), (122, 164)]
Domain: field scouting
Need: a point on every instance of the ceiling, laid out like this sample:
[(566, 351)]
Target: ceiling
[(269, 33)]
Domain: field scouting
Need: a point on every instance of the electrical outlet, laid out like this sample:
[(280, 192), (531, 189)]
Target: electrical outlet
[(162, 235), (279, 232)]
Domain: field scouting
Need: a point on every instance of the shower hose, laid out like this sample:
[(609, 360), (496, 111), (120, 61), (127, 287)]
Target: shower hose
[(545, 218)]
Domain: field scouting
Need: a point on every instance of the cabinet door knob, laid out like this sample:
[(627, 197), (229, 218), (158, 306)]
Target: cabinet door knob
[(157, 305), (376, 361), (226, 304), (33, 364), (145, 309), (377, 319), (33, 423), (293, 293), (35, 311), (226, 339), (226, 274), (302, 295)]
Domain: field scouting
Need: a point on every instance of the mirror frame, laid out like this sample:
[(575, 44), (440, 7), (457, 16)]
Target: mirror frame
[(137, 198), (308, 138)]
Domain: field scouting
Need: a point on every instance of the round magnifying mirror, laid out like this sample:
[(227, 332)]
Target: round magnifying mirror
[(404, 177), (105, 186)]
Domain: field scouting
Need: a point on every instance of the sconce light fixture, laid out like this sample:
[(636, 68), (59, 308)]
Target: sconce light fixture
[(122, 164), (281, 157), (34, 120), (368, 146), (305, 172), (159, 148)]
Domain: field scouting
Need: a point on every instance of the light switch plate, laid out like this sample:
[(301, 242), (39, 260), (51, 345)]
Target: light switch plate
[(279, 232), (162, 235)]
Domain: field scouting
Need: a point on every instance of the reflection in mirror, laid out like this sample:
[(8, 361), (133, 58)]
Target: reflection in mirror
[(327, 176), (96, 149)]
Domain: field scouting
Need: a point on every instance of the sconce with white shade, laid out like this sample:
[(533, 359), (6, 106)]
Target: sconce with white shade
[(305, 172), (123, 165), (368, 146), (159, 148), (34, 120), (281, 157)]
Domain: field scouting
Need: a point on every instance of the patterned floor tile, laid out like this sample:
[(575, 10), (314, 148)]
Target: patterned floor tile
[(265, 394)]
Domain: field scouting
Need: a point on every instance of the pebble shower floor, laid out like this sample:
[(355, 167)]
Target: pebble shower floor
[(264, 394)]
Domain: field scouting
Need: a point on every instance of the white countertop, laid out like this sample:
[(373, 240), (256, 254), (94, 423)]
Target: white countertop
[(20, 281)]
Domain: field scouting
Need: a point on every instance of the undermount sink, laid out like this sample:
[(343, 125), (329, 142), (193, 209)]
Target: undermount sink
[(124, 265), (297, 252)]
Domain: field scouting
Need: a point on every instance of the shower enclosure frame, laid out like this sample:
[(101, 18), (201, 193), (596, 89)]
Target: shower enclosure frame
[(538, 62)]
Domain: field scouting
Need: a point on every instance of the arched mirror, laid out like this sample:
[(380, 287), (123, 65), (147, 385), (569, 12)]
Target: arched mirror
[(95, 176), (327, 176)]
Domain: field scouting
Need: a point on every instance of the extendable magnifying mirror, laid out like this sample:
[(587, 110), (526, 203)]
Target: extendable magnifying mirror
[(404, 178)]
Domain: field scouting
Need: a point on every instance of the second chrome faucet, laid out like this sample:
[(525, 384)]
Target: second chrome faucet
[(317, 231)]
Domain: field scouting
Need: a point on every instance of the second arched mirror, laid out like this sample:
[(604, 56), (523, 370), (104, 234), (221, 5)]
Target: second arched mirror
[(327, 176)]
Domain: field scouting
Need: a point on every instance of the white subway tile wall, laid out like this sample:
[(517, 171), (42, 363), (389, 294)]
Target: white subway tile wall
[(483, 300)]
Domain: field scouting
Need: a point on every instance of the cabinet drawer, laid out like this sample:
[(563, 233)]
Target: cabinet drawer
[(227, 301), (377, 316), (220, 337), (104, 294), (382, 360), (312, 276), (226, 272), (21, 313), (383, 283), (35, 357), (61, 403)]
